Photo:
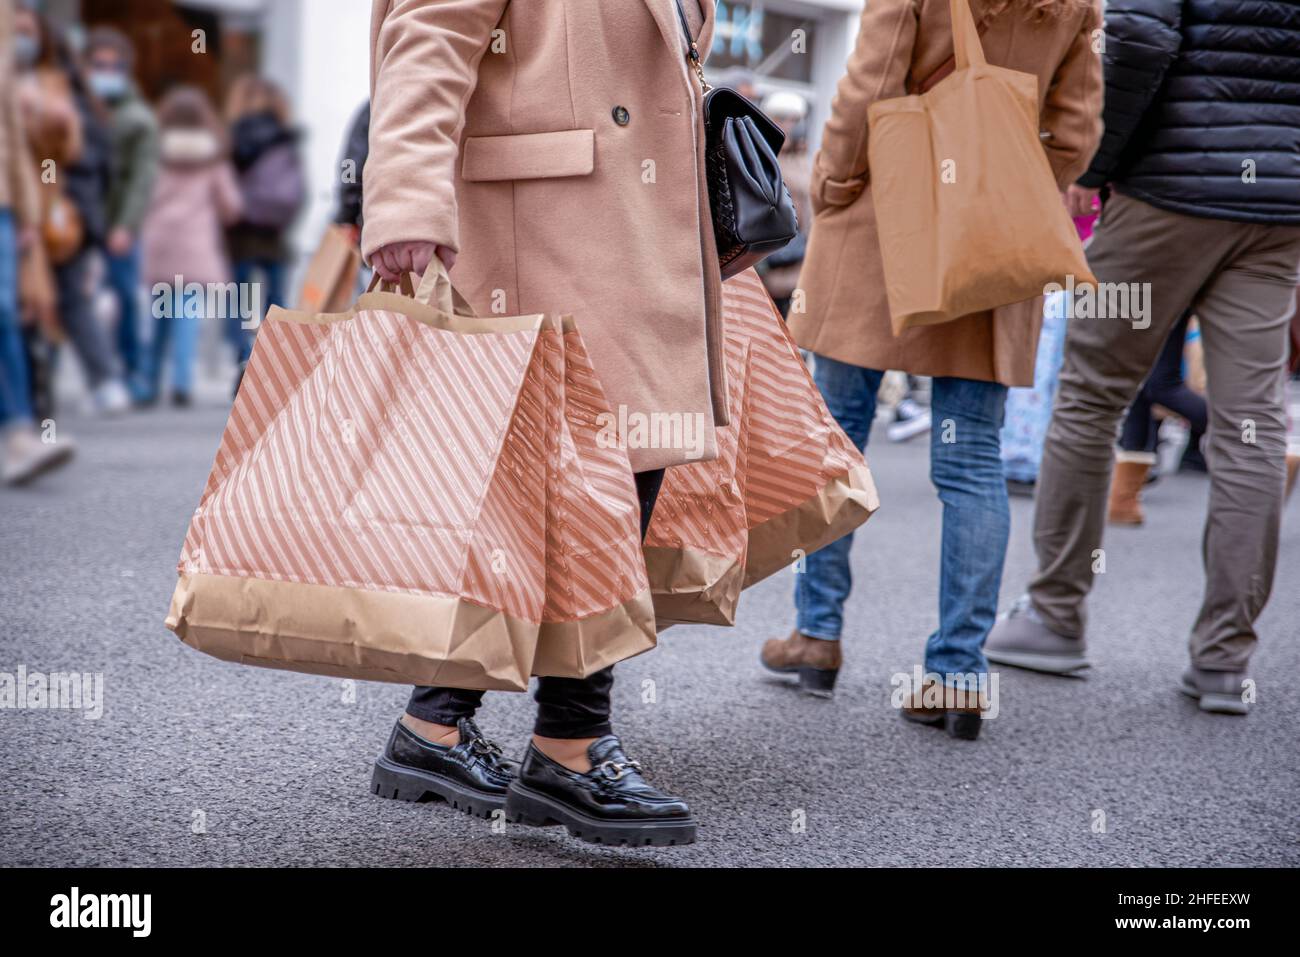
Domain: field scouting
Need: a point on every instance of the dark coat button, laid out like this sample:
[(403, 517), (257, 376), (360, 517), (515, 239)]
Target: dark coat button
[(621, 116)]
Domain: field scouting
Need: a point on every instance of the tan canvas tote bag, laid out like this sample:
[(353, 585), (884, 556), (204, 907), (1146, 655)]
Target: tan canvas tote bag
[(969, 214)]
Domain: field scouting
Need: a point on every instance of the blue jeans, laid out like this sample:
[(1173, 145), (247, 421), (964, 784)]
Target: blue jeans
[(966, 469), (124, 281), (272, 294), (1030, 410), (15, 394), (181, 333)]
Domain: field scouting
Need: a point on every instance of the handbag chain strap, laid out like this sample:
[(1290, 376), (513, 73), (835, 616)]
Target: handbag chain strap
[(693, 50)]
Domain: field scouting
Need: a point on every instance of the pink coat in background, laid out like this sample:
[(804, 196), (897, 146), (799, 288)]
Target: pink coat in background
[(184, 231)]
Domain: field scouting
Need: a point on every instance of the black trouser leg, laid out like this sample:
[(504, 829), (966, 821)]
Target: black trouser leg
[(1140, 428), (648, 485), (1167, 387), (572, 708), (567, 708), (1164, 386), (443, 705)]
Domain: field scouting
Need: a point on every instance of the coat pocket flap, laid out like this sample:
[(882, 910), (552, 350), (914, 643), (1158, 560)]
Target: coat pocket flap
[(529, 156)]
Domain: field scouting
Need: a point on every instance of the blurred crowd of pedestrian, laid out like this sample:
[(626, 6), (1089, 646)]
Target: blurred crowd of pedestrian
[(113, 212)]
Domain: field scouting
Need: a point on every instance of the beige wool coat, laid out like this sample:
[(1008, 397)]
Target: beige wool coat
[(902, 43), (18, 182), (558, 146)]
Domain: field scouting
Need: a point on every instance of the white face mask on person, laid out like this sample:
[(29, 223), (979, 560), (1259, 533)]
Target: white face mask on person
[(108, 84), (188, 145)]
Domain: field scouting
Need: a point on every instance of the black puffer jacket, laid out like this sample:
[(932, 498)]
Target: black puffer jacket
[(1203, 107)]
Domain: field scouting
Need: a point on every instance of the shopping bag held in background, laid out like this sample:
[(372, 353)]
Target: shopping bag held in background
[(331, 278), (969, 214)]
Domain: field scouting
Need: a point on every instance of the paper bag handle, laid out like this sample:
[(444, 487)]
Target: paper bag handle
[(435, 290)]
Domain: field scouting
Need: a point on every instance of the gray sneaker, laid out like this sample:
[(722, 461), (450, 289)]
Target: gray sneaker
[(1221, 692), (1021, 640)]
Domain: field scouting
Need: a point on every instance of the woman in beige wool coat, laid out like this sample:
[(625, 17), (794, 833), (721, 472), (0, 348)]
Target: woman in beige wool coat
[(552, 152)]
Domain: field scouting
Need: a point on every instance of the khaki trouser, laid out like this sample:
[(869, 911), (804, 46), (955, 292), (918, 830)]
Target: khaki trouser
[(1240, 280)]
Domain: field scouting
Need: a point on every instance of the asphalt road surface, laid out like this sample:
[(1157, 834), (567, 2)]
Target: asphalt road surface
[(199, 762)]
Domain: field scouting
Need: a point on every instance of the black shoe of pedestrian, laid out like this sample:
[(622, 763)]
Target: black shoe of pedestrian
[(471, 777), (610, 804), (181, 400)]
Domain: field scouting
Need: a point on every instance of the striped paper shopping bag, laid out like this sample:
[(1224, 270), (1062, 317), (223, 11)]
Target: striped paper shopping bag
[(378, 507), (794, 481)]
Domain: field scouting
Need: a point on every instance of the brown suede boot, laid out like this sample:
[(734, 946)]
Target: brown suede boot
[(959, 712), (816, 661), (1126, 491)]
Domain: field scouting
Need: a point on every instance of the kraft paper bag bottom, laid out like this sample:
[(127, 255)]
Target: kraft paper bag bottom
[(393, 637), (692, 586), (695, 587), (840, 507)]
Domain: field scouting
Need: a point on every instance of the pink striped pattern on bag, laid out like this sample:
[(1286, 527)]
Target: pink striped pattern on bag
[(781, 448), (592, 512), (373, 453)]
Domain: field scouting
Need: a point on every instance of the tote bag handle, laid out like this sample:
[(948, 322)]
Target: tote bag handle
[(968, 49), (950, 64)]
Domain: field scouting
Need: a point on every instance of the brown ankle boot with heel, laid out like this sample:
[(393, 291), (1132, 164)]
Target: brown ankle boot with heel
[(1126, 491), (815, 661)]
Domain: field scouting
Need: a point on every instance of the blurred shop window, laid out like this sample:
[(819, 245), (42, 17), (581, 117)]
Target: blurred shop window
[(759, 37)]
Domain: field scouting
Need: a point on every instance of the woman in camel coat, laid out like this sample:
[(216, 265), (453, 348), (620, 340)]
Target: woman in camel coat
[(552, 150), (844, 316)]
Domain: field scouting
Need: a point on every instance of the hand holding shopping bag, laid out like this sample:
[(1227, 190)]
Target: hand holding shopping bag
[(378, 507)]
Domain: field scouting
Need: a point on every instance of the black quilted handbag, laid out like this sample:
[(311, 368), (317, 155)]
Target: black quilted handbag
[(753, 215)]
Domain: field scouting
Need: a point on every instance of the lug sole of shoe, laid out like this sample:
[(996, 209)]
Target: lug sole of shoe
[(1215, 702), (1045, 664), (397, 783), (534, 809)]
